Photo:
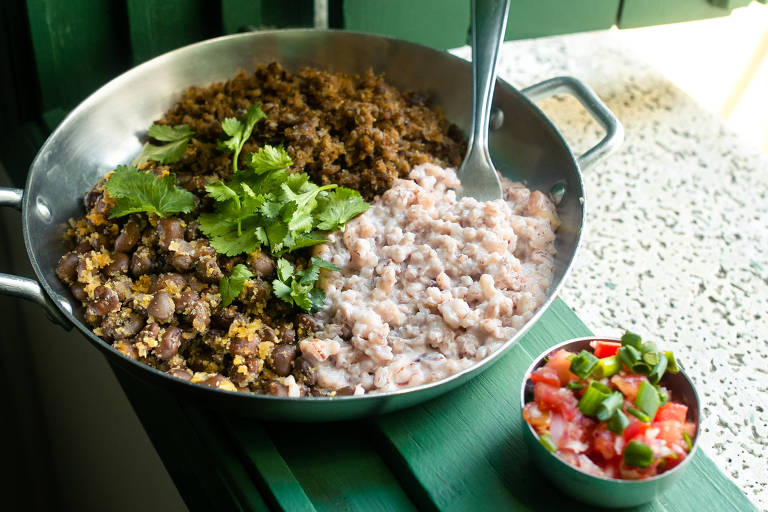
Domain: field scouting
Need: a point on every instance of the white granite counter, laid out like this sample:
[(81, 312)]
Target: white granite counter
[(676, 246)]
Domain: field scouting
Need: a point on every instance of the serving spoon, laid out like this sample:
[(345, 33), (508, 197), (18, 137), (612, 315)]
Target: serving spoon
[(477, 173)]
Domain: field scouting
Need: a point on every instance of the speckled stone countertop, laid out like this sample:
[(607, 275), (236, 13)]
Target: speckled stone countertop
[(676, 246)]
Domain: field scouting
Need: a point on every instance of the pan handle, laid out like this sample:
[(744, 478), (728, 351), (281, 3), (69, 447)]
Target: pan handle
[(22, 287), (614, 132)]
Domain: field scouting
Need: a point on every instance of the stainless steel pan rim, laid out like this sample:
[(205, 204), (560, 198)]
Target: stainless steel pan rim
[(63, 314)]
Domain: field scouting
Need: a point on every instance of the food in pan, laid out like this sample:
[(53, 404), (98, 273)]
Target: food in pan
[(608, 413), (237, 249)]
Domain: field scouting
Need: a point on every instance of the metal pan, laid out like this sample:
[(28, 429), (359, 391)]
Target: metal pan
[(103, 130)]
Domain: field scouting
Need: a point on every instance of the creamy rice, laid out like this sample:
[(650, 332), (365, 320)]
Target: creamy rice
[(429, 284)]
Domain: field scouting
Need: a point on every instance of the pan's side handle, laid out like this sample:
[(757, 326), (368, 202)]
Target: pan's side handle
[(22, 287), (614, 132)]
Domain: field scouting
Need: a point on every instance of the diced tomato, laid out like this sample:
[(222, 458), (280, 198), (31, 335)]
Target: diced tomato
[(605, 348), (603, 442), (670, 431), (672, 411), (562, 365), (635, 429), (628, 384), (671, 462), (690, 429), (552, 398), (546, 374)]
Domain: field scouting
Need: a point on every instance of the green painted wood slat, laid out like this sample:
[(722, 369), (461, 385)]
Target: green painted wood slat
[(159, 26)]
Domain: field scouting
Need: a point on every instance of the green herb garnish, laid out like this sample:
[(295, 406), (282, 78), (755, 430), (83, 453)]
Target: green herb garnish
[(239, 131), (618, 422), (230, 287), (140, 191), (610, 406), (638, 454), (606, 367), (593, 397), (177, 138), (639, 414), (547, 443), (298, 287), (583, 364), (687, 440), (648, 399)]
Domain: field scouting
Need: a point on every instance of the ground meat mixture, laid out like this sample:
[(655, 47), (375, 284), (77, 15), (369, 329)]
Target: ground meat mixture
[(354, 131), (149, 285)]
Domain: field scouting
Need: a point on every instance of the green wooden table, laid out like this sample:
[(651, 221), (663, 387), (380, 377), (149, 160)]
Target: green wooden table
[(463, 451)]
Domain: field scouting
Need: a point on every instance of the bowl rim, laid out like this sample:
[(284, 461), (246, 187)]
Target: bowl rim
[(666, 474)]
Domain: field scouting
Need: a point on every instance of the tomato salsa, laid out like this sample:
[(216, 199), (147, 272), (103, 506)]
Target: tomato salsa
[(607, 412)]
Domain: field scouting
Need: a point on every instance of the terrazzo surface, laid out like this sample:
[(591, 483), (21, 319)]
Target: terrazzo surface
[(676, 246)]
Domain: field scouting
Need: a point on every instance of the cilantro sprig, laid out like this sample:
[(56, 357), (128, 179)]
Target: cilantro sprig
[(140, 191), (264, 205), (239, 131), (298, 286), (230, 287), (177, 138)]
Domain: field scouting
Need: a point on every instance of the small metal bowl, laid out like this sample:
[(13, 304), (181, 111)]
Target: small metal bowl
[(599, 491)]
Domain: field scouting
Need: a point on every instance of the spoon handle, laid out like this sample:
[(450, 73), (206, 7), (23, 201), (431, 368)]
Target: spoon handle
[(488, 24)]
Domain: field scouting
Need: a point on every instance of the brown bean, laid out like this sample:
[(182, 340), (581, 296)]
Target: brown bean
[(119, 264), (191, 232), (268, 334), (218, 381), (201, 315), (168, 281), (183, 301), (126, 348), (128, 237), (208, 271), (224, 318), (116, 326), (151, 331), (161, 307), (244, 345), (169, 343), (281, 359), (260, 264), (89, 199), (277, 389), (78, 290), (307, 325), (67, 267), (142, 261), (287, 335), (180, 373), (105, 300), (181, 262), (83, 246), (255, 291), (123, 286), (303, 371), (169, 230), (345, 391)]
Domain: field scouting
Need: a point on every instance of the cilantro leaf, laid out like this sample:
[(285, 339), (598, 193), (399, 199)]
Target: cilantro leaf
[(300, 287), (222, 233), (140, 191), (336, 208), (230, 287), (239, 131), (177, 138), (312, 272), (269, 158), (220, 192)]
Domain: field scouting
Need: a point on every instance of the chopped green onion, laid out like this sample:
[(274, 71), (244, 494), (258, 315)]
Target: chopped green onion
[(575, 385), (658, 370), (593, 397), (632, 340), (652, 358), (545, 360), (671, 363), (687, 440), (663, 395), (648, 399), (628, 355), (618, 422), (648, 346), (638, 454), (609, 406), (547, 443), (641, 368), (606, 367), (583, 364), (638, 414)]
